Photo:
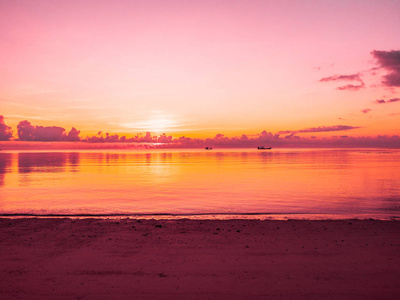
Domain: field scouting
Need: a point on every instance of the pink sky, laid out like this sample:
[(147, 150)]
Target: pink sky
[(198, 68)]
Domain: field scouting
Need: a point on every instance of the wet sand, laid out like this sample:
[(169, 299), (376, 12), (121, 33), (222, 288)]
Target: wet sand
[(64, 258)]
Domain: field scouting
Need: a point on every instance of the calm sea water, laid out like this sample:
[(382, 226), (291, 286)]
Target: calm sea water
[(282, 182)]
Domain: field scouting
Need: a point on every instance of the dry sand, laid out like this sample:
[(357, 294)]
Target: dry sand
[(191, 259)]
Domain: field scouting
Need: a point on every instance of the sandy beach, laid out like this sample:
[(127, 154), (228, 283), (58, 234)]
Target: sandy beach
[(63, 258)]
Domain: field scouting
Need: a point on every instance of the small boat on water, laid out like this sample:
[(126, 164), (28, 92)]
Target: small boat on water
[(208, 148), (263, 148)]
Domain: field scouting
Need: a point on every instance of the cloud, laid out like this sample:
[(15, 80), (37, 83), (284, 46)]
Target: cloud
[(320, 129), (387, 60), (29, 132), (264, 138), (289, 138), (341, 77), (382, 101), (49, 133), (73, 135), (366, 110), (25, 131), (139, 138), (5, 131), (147, 140), (351, 87), (390, 61)]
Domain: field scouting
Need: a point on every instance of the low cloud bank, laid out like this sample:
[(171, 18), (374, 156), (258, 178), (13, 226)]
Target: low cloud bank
[(28, 132), (289, 138), (5, 131)]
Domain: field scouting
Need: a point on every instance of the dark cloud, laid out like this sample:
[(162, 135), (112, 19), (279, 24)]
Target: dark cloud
[(387, 60), (381, 101), (25, 131), (286, 132), (365, 111), (341, 77), (350, 87), (289, 136), (321, 129), (390, 61), (244, 138), (109, 138), (49, 133), (139, 138), (164, 138), (73, 135), (5, 131), (329, 128), (29, 132)]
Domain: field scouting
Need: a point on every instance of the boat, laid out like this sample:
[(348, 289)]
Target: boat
[(208, 148), (263, 148)]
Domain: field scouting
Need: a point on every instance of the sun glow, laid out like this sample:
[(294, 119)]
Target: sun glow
[(158, 125), (155, 124)]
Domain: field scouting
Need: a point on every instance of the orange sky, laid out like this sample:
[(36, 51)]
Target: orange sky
[(198, 68)]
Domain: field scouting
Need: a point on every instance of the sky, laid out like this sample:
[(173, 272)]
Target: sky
[(200, 68)]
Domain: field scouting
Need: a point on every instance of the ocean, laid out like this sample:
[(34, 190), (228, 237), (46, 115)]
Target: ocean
[(197, 183)]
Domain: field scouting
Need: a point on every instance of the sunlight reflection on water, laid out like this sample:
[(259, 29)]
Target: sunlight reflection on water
[(347, 182)]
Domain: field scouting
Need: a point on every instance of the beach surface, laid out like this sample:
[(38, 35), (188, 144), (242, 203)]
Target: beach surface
[(93, 258)]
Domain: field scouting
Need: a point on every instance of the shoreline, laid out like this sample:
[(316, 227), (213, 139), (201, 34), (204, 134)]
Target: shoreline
[(212, 216), (96, 258)]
